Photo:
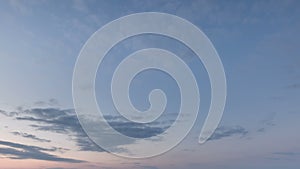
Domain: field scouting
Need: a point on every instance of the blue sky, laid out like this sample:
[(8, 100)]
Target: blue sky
[(257, 42)]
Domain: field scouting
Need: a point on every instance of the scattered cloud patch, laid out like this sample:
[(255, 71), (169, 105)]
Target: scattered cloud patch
[(261, 130), (50, 102), (224, 132)]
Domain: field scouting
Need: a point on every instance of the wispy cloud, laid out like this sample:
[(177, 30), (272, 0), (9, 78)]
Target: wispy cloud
[(64, 121), (224, 132), (294, 86), (59, 121), (80, 5), (267, 122), (22, 151), (8, 114), (149, 167), (286, 153), (31, 136), (51, 102)]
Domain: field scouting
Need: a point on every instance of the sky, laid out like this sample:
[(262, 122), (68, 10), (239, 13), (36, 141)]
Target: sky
[(257, 42)]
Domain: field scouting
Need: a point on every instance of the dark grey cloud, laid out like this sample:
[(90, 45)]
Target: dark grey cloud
[(137, 130), (31, 136), (65, 121), (223, 132), (59, 121), (21, 151)]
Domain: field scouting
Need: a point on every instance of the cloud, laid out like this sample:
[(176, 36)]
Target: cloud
[(261, 130), (286, 153), (80, 6), (20, 6), (33, 137), (8, 114), (59, 121), (21, 151), (50, 102), (223, 132), (149, 167), (267, 122), (137, 130), (294, 86), (65, 121)]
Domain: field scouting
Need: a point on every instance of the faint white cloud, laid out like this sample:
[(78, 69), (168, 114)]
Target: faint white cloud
[(80, 5), (20, 6)]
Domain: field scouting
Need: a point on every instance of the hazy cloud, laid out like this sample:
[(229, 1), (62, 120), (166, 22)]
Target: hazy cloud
[(294, 86), (50, 102), (8, 114)]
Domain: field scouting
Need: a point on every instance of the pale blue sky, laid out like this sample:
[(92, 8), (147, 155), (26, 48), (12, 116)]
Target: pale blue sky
[(257, 42)]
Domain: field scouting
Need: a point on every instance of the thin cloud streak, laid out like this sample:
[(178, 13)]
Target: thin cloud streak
[(64, 121), (22, 151), (224, 132), (31, 136)]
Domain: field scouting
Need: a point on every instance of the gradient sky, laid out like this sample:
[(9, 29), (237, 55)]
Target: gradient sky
[(257, 42)]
